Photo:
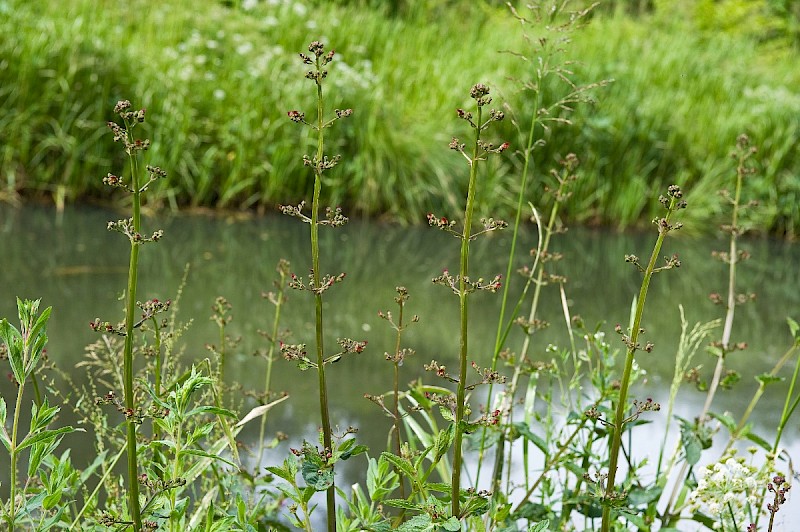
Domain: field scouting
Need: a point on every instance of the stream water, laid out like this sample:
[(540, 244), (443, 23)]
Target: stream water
[(74, 264)]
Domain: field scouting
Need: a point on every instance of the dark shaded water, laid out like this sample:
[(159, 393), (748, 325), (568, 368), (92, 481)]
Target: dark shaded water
[(80, 268)]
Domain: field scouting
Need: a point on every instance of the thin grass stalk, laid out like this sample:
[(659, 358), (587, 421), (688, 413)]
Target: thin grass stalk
[(538, 271), (130, 309), (619, 416), (279, 300), (760, 391), (464, 313), (788, 406), (504, 328)]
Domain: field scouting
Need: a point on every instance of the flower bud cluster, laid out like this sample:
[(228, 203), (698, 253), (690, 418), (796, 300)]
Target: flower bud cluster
[(296, 211), (440, 371), (107, 327), (160, 485), (126, 227), (325, 282), (487, 376), (453, 282), (334, 217)]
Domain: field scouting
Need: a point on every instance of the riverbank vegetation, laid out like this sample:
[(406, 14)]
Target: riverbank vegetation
[(539, 439), (687, 78)]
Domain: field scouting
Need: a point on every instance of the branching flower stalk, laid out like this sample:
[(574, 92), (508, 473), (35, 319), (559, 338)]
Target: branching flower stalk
[(732, 257), (547, 52), (743, 152), (132, 229), (462, 285), (316, 282), (672, 202), (397, 359), (535, 276)]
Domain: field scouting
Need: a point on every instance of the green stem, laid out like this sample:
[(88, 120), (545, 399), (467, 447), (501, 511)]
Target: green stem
[(323, 391), (397, 442), (14, 456), (464, 308), (133, 482), (619, 416)]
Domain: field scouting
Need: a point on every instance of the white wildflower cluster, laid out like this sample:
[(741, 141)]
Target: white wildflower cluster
[(729, 491)]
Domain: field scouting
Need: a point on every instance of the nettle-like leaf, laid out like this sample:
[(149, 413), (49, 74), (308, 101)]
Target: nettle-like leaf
[(317, 477)]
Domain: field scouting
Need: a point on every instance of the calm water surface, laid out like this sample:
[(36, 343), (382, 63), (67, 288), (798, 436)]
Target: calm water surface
[(74, 264)]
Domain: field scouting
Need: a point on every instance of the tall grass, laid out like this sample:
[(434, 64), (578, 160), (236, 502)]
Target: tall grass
[(220, 72)]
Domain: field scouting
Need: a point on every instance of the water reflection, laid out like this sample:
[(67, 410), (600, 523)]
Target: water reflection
[(80, 269)]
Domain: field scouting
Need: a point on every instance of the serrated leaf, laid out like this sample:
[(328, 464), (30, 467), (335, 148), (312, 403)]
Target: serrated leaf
[(541, 526), (317, 478), (45, 435), (443, 441), (402, 503), (452, 524), (446, 414), (402, 465), (418, 523)]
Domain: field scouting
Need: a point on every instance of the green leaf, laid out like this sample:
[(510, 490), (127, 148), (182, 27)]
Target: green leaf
[(402, 503), (443, 441), (400, 464), (525, 431), (452, 524), (726, 420), (793, 327), (446, 414), (418, 523), (318, 478), (761, 442), (541, 526), (45, 435), (691, 445), (639, 496), (13, 340), (208, 409), (204, 454)]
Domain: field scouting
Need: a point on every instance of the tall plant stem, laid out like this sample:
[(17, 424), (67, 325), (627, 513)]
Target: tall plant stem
[(15, 453), (464, 308), (323, 391), (396, 405), (619, 415), (731, 309), (130, 309)]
